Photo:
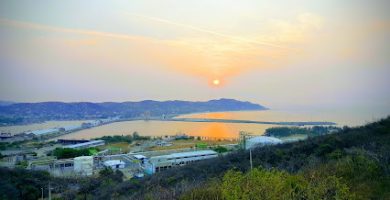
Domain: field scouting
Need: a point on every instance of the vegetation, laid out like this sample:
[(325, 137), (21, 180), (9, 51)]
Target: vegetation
[(201, 145), (123, 138), (310, 131), (21, 164), (271, 184), (11, 145), (24, 184), (356, 176), (351, 164), (6, 121), (354, 162), (220, 149), (99, 187), (61, 153)]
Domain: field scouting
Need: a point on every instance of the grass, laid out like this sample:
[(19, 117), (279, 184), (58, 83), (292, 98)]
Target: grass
[(124, 146)]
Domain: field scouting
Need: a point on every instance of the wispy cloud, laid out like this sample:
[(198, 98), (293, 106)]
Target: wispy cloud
[(220, 57), (207, 31), (36, 26)]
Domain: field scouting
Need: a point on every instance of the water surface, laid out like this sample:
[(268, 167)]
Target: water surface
[(38, 126), (351, 117)]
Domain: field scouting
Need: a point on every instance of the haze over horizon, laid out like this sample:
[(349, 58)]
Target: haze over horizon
[(280, 54)]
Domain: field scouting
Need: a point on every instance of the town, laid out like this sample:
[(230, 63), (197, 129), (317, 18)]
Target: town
[(134, 155)]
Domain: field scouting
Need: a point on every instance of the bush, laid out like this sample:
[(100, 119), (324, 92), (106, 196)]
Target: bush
[(123, 138), (313, 131), (220, 149), (22, 164), (270, 184), (61, 153), (22, 184)]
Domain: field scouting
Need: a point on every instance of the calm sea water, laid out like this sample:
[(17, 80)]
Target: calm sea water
[(221, 130), (37, 126)]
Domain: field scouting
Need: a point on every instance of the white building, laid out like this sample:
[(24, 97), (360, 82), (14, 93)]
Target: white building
[(71, 127), (92, 143), (83, 165), (114, 164), (44, 131), (159, 163), (140, 158), (261, 141)]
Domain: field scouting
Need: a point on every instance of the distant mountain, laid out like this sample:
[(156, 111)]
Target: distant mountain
[(6, 103), (38, 112)]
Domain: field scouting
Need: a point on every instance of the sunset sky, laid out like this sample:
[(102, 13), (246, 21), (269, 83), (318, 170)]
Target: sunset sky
[(281, 54)]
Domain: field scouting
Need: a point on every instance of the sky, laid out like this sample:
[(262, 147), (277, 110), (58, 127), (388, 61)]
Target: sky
[(281, 54)]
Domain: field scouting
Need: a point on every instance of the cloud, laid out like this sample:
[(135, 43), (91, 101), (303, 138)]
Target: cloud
[(226, 36), (293, 31), (28, 25), (208, 55)]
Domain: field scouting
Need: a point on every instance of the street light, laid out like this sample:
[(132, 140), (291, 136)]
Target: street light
[(250, 158)]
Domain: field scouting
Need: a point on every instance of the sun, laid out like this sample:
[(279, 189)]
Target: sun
[(216, 82)]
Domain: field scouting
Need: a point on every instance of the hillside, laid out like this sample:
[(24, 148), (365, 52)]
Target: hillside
[(358, 157), (37, 112), (353, 163)]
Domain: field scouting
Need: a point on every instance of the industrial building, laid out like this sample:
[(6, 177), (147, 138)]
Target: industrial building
[(160, 163), (71, 127), (114, 164), (92, 143), (44, 131), (141, 158), (261, 141), (63, 167), (83, 165)]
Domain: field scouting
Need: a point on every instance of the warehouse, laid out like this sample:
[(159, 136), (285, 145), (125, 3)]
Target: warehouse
[(92, 143), (44, 131), (259, 141), (160, 163)]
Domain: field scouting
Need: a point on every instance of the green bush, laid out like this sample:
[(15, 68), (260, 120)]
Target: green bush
[(123, 138), (271, 184), (311, 131), (220, 149), (61, 153)]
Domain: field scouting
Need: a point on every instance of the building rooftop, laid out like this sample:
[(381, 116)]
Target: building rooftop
[(71, 127), (187, 154), (44, 131), (84, 144), (80, 158), (262, 140), (113, 162), (139, 157)]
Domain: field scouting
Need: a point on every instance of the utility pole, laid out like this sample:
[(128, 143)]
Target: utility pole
[(42, 192), (243, 137), (49, 191), (250, 158)]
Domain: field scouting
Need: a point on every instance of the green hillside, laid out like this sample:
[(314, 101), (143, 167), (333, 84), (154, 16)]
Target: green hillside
[(353, 163), (350, 164)]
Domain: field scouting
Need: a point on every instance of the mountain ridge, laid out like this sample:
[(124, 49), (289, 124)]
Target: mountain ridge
[(19, 113)]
